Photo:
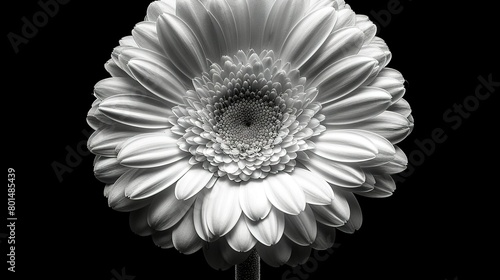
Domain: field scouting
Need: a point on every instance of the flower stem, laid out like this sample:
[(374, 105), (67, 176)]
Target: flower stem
[(250, 268)]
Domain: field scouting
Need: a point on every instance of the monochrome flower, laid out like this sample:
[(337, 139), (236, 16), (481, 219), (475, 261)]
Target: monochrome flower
[(230, 125)]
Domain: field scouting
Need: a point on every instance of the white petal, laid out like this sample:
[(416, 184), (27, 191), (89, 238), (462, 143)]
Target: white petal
[(367, 26), (224, 19), (156, 8), (108, 169), (150, 181), (300, 254), (335, 214), (231, 256), (340, 44), (127, 41), (117, 198), (361, 104), (184, 235), (390, 125), (181, 45), (200, 216), (159, 80), (275, 255), (386, 150), (214, 256), (393, 86), (104, 141), (242, 19), (325, 238), (196, 16), (145, 36), (192, 182), (343, 77), (339, 174), (346, 18), (301, 228), (356, 217), (282, 18), (344, 146), (392, 73), (308, 36), (316, 190), (136, 111), (384, 187), (401, 107), (223, 207), (259, 11), (166, 210), (118, 85), (163, 239), (269, 230), (150, 150), (138, 221), (114, 70), (284, 193), (396, 165), (253, 199), (240, 238)]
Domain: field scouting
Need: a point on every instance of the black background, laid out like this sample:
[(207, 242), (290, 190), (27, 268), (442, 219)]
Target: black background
[(440, 223)]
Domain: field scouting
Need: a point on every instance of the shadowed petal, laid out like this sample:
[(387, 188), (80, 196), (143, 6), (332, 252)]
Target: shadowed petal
[(269, 230), (166, 210), (253, 199)]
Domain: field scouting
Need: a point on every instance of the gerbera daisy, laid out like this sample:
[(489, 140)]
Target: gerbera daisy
[(233, 125)]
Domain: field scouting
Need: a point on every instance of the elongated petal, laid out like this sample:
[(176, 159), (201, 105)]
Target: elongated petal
[(150, 150), (275, 255), (259, 12), (253, 199), (242, 19), (158, 80), (325, 238), (136, 111), (181, 45), (308, 36), (346, 18), (367, 26), (150, 181), (240, 238), (117, 198), (224, 20), (163, 239), (108, 169), (282, 18), (344, 146), (156, 8), (340, 44), (104, 141), (343, 77), (300, 254), (392, 85), (336, 173), (166, 210), (384, 187), (200, 216), (316, 190), (301, 228), (192, 182), (401, 107), (269, 230), (184, 235), (146, 36), (356, 217), (386, 150), (118, 85), (138, 221), (361, 104), (214, 256), (284, 193), (334, 215), (224, 208), (396, 165)]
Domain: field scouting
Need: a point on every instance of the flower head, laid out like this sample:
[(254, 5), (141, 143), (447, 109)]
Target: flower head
[(229, 125)]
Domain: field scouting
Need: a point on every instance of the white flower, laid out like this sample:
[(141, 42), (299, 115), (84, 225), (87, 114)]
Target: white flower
[(234, 124)]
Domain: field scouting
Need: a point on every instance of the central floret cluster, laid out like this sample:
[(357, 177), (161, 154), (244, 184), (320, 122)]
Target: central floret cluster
[(248, 117)]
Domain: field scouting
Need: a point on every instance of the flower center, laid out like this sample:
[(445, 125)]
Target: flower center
[(247, 121)]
